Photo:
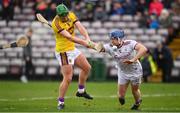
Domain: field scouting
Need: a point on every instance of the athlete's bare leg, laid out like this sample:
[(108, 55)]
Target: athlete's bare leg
[(136, 92), (67, 72), (137, 96), (85, 67), (122, 92)]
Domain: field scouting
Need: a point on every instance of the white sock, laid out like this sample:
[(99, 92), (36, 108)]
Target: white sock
[(81, 90), (59, 102)]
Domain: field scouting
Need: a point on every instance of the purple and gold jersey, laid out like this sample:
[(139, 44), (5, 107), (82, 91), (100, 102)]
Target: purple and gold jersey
[(62, 43)]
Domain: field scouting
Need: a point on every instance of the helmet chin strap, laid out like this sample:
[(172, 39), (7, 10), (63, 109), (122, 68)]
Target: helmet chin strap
[(64, 19), (120, 43)]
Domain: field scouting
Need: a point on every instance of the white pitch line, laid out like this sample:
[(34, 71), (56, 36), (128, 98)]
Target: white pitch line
[(42, 98), (160, 108), (94, 112), (112, 96), (3, 100)]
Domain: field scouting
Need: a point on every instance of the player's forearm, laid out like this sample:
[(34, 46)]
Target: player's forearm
[(11, 45), (79, 41), (142, 51), (84, 32)]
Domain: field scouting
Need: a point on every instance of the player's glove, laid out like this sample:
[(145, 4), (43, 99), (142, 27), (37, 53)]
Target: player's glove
[(96, 46), (90, 44), (99, 47)]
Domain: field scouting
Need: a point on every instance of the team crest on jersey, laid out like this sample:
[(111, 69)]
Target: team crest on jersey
[(70, 61)]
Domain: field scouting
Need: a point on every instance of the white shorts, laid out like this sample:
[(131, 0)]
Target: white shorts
[(68, 57), (124, 79)]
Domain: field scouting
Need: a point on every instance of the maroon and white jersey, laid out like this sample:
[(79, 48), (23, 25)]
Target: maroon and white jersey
[(126, 51)]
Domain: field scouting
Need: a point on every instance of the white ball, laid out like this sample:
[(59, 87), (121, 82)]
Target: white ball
[(114, 47)]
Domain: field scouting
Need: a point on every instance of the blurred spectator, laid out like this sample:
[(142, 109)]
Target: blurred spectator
[(146, 68), (176, 7), (27, 53), (130, 7), (172, 33), (65, 2), (165, 19), (142, 6), (149, 66), (163, 57), (100, 14), (90, 8), (83, 10), (167, 3), (155, 7), (154, 23), (30, 1), (7, 10), (108, 4), (18, 4), (0, 8), (41, 7), (51, 11), (117, 9), (78, 10), (144, 20)]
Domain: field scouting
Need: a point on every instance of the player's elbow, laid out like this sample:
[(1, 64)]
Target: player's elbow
[(70, 38), (145, 50)]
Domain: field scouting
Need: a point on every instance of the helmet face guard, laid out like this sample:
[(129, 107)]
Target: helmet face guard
[(63, 14)]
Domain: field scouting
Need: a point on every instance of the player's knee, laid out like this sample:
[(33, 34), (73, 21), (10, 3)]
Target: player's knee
[(134, 90), (87, 68), (67, 79)]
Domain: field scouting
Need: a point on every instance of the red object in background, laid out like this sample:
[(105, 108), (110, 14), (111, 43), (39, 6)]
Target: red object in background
[(42, 6), (155, 7), (6, 3)]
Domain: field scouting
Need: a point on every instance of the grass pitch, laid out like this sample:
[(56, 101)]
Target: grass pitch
[(42, 97)]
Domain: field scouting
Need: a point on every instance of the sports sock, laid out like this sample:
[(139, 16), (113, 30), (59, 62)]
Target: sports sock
[(81, 89), (61, 100), (138, 102)]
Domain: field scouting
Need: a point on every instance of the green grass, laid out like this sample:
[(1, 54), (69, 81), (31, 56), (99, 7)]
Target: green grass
[(41, 97)]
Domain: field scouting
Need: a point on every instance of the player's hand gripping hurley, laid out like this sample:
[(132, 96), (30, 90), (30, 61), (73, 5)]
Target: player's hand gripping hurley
[(21, 41), (98, 46)]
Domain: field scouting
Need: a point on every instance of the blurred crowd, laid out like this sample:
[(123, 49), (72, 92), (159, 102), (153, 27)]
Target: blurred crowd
[(99, 10), (156, 13), (153, 14), (155, 10)]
